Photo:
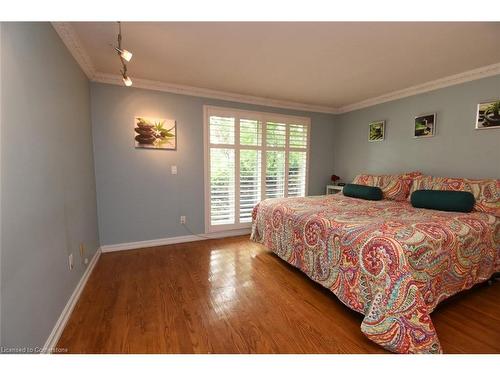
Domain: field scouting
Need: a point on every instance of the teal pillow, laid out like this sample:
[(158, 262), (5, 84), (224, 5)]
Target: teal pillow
[(372, 193), (443, 200)]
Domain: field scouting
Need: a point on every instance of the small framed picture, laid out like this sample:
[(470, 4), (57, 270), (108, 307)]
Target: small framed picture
[(376, 131), (488, 115), (155, 133), (425, 126)]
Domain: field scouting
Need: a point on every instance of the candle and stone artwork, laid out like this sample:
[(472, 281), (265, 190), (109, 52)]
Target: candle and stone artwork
[(155, 133)]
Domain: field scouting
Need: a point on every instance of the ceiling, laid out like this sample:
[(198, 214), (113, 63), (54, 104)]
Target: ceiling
[(330, 64)]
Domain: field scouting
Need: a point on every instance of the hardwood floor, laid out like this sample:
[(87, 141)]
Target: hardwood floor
[(234, 296)]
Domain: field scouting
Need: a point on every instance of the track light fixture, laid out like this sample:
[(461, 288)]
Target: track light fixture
[(126, 79), (124, 56)]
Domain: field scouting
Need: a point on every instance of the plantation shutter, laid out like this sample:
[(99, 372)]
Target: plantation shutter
[(250, 167), (251, 156), (275, 160), (222, 170), (297, 160)]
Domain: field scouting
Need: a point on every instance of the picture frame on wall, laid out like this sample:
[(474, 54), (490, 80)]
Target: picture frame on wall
[(155, 133), (488, 115), (376, 131), (425, 126)]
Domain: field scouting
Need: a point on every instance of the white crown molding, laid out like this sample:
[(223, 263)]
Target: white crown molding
[(70, 38), (73, 43), (471, 75), (55, 335), (173, 240), (116, 79)]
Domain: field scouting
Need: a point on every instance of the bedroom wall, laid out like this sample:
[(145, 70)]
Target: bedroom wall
[(48, 186), (457, 149), (138, 198)]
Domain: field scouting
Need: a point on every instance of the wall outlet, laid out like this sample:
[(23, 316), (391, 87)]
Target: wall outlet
[(70, 261), (86, 261), (183, 219), (174, 169)]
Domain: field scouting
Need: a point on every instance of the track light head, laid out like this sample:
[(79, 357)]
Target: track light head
[(126, 80), (126, 55)]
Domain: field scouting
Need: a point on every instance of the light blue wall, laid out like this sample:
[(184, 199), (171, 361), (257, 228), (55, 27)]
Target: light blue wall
[(138, 198), (48, 187), (456, 150), (49, 198)]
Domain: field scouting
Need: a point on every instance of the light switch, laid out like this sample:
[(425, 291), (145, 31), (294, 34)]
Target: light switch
[(174, 169)]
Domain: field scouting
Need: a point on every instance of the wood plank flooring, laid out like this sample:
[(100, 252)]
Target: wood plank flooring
[(234, 296)]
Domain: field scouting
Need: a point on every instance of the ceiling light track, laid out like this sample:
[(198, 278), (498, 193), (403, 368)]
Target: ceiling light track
[(125, 56)]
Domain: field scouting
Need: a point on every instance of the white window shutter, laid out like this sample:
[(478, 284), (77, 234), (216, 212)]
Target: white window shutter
[(222, 186), (250, 183), (275, 174), (252, 156), (297, 165)]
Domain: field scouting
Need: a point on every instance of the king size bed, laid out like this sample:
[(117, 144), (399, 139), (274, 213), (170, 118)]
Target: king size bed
[(386, 259)]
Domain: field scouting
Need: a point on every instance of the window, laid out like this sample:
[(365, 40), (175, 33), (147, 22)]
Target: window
[(250, 156)]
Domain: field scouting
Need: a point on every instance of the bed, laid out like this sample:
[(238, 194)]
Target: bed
[(385, 259)]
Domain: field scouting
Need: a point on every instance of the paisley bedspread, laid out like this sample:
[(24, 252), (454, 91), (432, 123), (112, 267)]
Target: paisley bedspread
[(385, 259)]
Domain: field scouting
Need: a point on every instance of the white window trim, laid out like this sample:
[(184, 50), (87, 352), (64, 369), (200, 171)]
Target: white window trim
[(264, 117)]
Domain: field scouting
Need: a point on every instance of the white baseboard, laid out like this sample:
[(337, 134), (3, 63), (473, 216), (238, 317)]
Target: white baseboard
[(55, 335), (173, 240), (70, 305)]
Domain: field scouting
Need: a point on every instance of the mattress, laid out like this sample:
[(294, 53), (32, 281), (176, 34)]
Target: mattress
[(385, 259)]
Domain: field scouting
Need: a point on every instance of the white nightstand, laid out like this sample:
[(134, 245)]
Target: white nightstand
[(333, 189)]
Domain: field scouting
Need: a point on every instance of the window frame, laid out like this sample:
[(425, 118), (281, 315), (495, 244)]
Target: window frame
[(264, 117)]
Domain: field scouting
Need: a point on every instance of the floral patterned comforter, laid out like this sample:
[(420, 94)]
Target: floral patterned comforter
[(385, 259)]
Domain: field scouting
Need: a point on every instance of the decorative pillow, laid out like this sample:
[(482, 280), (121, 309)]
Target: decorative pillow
[(371, 193), (486, 192), (365, 179), (394, 187), (443, 200)]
